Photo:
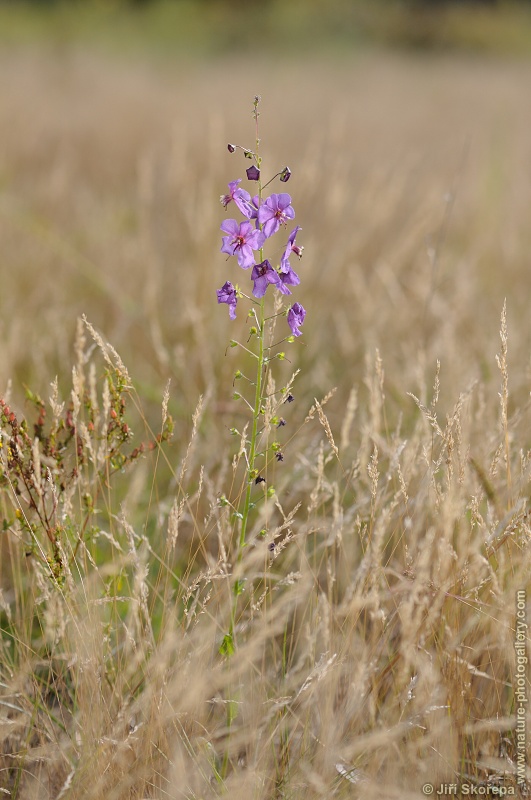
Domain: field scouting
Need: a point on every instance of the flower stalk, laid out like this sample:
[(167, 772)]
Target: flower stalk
[(247, 241)]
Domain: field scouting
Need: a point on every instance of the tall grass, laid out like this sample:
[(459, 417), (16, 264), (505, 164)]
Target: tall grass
[(376, 636)]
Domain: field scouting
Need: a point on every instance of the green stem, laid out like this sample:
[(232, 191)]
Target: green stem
[(254, 431), (252, 457)]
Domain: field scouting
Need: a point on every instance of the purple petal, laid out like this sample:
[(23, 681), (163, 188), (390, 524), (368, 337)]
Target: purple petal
[(289, 276), (255, 202), (293, 234), (242, 200), (227, 246), (230, 226), (283, 200), (245, 257), (270, 227), (265, 212)]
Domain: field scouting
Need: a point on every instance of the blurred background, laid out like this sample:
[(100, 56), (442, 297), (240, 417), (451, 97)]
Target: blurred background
[(211, 27), (406, 126)]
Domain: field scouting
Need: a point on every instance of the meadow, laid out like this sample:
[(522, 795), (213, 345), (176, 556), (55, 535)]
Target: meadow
[(387, 555)]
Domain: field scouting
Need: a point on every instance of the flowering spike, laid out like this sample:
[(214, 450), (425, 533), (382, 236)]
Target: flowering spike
[(264, 216)]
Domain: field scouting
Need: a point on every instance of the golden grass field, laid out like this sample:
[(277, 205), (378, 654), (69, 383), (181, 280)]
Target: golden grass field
[(376, 641)]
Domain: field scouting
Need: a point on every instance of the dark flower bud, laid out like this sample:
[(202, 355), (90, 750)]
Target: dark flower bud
[(279, 456), (253, 173), (281, 422), (231, 148), (285, 175), (259, 479), (289, 399)]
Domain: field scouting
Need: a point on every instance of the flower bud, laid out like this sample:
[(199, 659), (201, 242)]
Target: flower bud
[(231, 148), (253, 173), (285, 175)]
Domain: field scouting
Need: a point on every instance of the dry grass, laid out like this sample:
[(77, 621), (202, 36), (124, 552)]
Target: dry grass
[(378, 634)]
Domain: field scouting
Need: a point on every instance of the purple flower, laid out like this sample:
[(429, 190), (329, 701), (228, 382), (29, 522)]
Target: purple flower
[(274, 212), (240, 197), (262, 275), (227, 294), (287, 274), (242, 239), (296, 316)]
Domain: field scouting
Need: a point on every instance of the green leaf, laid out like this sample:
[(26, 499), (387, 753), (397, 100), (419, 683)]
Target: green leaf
[(227, 646)]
